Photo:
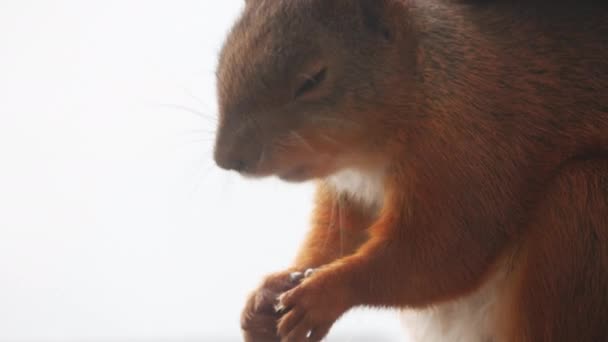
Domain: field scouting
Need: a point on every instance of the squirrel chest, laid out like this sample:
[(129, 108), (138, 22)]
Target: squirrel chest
[(469, 319)]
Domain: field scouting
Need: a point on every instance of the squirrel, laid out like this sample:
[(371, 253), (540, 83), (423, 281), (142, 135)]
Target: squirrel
[(460, 152)]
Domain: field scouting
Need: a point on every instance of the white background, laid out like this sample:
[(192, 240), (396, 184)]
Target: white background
[(114, 222)]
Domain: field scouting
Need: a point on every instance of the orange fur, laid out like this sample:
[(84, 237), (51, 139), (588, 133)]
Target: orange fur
[(339, 228), (489, 121)]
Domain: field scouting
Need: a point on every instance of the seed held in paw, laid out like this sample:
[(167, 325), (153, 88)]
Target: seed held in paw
[(296, 277)]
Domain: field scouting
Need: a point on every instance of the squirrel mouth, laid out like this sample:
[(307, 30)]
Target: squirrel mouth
[(300, 173)]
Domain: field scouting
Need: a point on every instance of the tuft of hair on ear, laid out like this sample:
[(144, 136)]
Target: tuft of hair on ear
[(377, 17)]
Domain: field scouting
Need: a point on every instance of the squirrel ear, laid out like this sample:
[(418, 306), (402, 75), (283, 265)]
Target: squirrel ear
[(377, 16)]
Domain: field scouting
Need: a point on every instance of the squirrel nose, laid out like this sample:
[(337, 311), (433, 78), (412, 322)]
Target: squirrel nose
[(237, 165), (230, 161), (236, 153)]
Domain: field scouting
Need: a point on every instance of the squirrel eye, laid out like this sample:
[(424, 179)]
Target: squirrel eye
[(311, 83)]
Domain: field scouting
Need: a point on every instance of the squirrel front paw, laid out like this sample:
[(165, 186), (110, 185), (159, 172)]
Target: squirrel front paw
[(312, 307), (260, 316)]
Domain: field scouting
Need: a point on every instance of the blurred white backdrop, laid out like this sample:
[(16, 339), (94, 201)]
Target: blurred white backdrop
[(114, 223)]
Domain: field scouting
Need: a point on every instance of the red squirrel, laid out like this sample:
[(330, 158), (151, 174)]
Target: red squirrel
[(460, 149)]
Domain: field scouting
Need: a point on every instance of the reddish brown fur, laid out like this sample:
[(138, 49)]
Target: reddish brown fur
[(491, 118)]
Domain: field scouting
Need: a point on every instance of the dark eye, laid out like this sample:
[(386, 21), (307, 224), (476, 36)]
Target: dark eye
[(311, 83)]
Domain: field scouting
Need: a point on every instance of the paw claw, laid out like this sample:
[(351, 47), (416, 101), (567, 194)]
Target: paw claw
[(309, 272), (280, 307)]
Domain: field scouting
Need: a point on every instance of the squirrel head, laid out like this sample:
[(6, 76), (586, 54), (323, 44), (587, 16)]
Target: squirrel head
[(304, 86)]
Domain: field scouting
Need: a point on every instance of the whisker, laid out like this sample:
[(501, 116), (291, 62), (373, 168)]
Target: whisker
[(199, 131), (302, 140), (189, 110), (341, 230), (200, 140), (262, 157), (199, 181), (331, 226), (194, 97), (249, 121)]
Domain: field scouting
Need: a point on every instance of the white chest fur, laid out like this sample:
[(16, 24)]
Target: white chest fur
[(469, 319), (364, 186)]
